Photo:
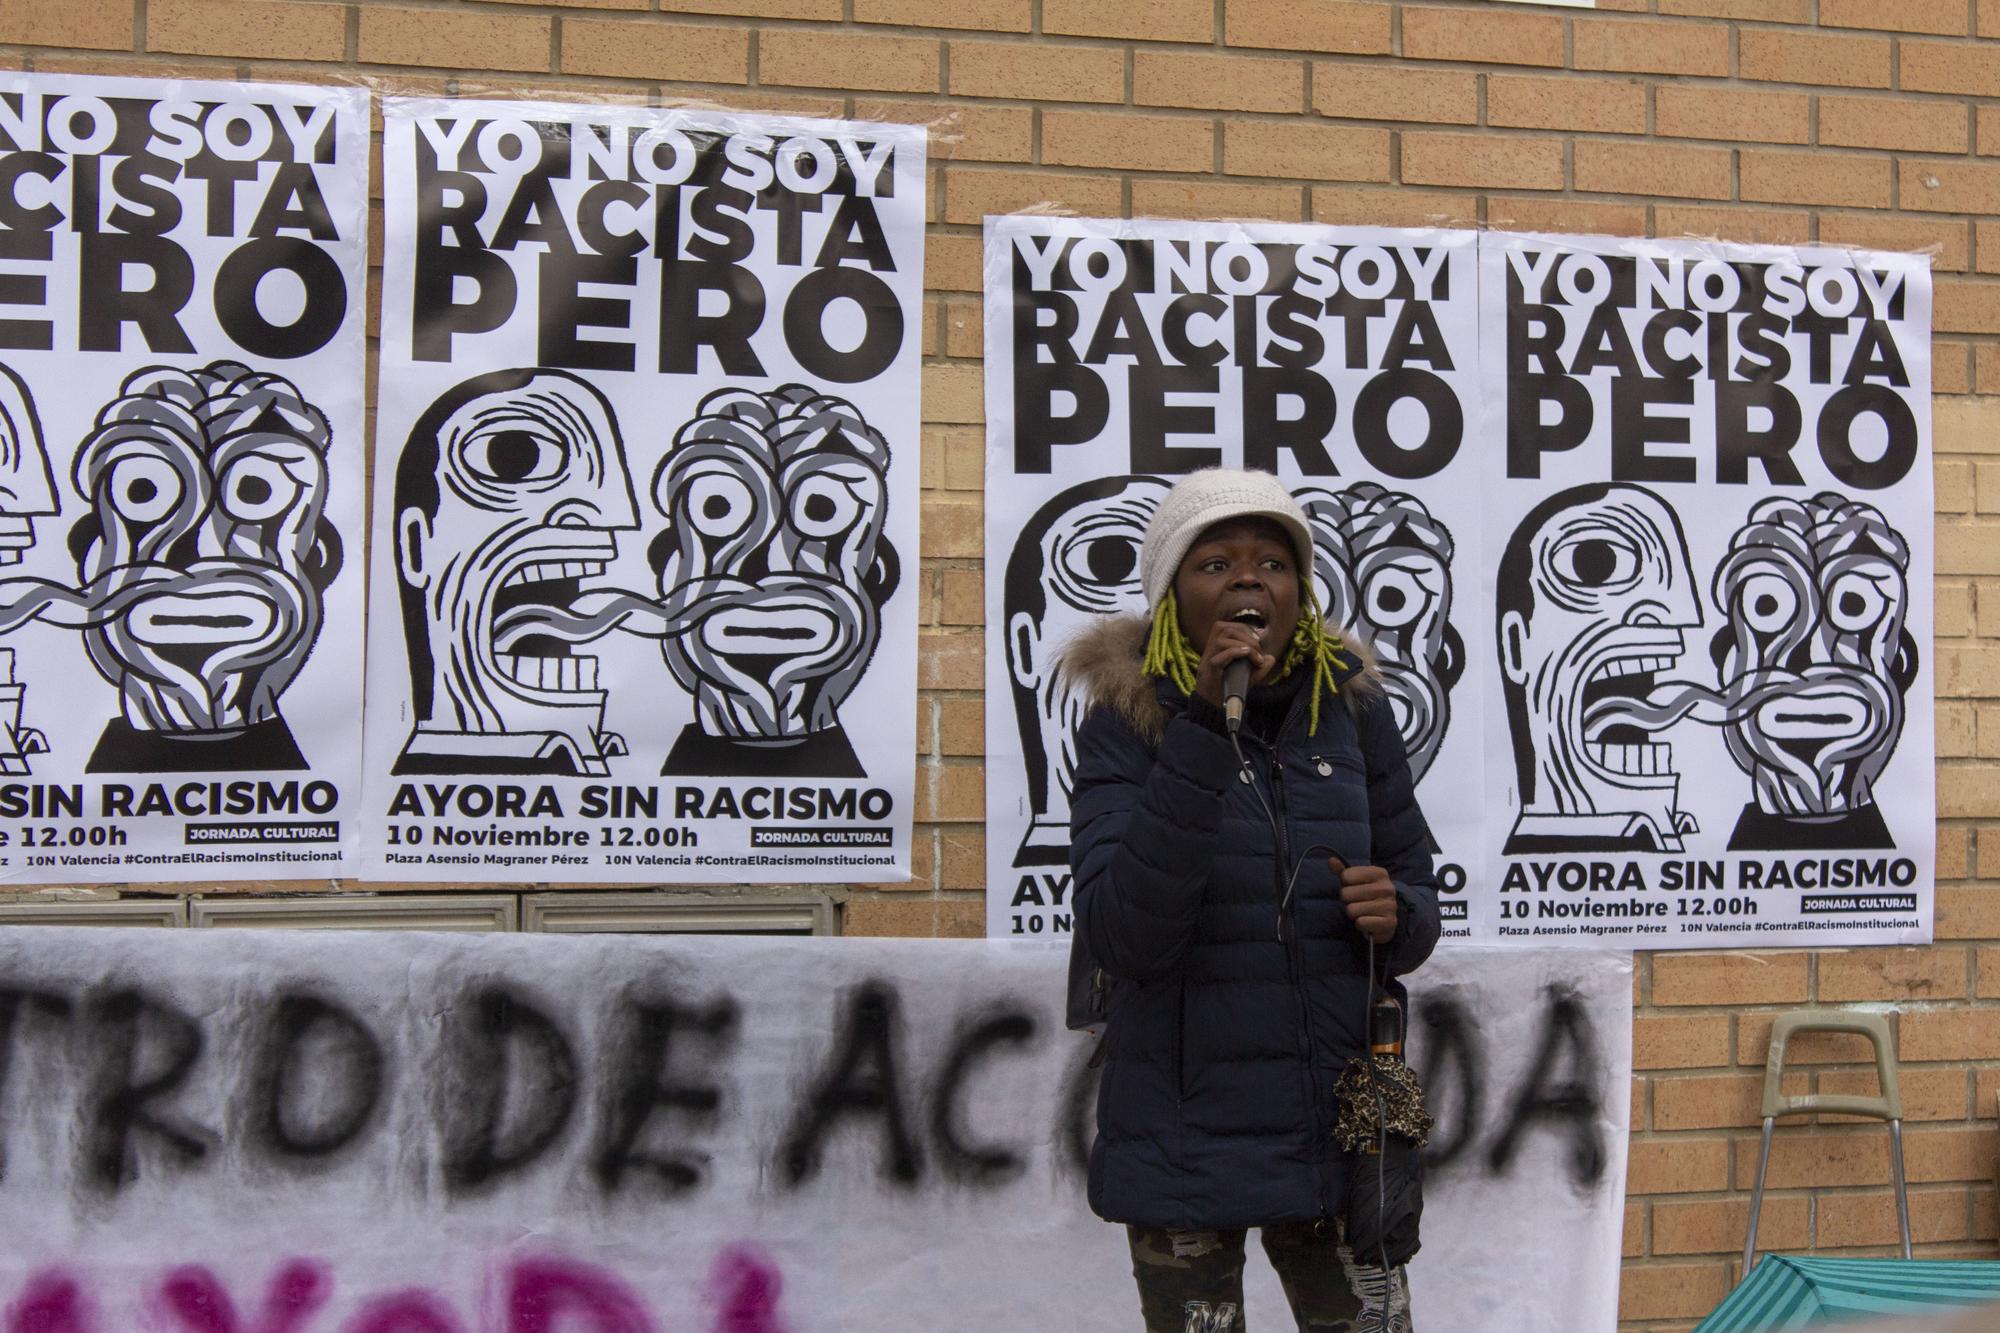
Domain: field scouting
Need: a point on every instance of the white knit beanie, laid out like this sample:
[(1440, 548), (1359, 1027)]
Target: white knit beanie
[(1202, 499)]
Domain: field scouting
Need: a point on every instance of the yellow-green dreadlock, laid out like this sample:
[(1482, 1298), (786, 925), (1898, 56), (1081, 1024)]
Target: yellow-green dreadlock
[(1170, 655)]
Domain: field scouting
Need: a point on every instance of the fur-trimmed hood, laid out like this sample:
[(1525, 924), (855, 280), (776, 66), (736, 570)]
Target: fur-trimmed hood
[(1102, 663)]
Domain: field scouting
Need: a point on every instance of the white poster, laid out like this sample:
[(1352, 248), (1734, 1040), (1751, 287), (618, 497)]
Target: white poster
[(645, 593), (182, 294), (402, 1133), (1708, 561), (1120, 355)]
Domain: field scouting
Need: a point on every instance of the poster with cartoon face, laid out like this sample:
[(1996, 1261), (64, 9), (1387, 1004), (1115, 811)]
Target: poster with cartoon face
[(1709, 569), (181, 463), (1122, 355), (645, 497)]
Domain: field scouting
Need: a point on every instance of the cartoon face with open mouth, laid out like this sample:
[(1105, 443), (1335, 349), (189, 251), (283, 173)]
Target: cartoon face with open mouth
[(1814, 661), (509, 492), (1596, 595), (774, 566), (1076, 561), (1384, 568), (205, 555), (27, 486)]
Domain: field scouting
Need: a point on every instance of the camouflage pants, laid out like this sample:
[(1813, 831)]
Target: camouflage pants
[(1192, 1281)]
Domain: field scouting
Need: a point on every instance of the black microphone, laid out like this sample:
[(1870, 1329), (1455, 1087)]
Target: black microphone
[(1235, 684)]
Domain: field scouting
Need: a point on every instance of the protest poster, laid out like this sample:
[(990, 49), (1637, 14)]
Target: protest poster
[(1123, 354), (182, 293), (646, 497), (1708, 561), (377, 1132)]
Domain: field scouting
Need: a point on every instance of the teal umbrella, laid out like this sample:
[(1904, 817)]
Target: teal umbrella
[(1784, 1292)]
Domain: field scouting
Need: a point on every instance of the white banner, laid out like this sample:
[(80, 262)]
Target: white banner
[(645, 552), (1120, 355), (182, 294), (387, 1133), (1708, 558)]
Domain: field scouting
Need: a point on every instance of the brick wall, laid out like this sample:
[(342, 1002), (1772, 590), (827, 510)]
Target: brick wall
[(1864, 122)]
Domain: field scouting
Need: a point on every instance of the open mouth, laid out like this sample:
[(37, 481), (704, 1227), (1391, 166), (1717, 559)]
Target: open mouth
[(1618, 688), (546, 662), (1252, 617)]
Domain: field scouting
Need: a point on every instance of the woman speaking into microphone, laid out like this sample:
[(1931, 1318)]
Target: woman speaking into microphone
[(1247, 870)]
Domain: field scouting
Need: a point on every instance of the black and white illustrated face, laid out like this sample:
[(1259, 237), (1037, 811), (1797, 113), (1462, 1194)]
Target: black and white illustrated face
[(511, 490), (27, 486), (773, 569), (27, 492), (1814, 661), (1076, 561), (1384, 568), (1596, 597), (204, 551)]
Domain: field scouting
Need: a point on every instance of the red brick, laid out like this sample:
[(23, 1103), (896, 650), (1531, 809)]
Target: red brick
[(1949, 1034), (1676, 1166), (1396, 207), (1306, 151), (101, 25), (1216, 199), (1608, 106), (982, 15), (1948, 67), (1715, 1101), (1733, 222), (1776, 56), (1945, 241), (260, 31), (1680, 1041), (1217, 82), (1803, 1158), (1638, 46), (1493, 37), (1888, 122), (826, 10), (1944, 17), (1950, 1153), (1652, 169), (810, 58), (1127, 140), (1932, 185), (1482, 160), (972, 194), (1576, 216), (1967, 306), (1669, 1291), (1719, 1226), (1697, 111), (1844, 1221), (1380, 92), (1929, 1094), (443, 39), (1763, 11), (1729, 978), (1892, 974), (1147, 20), (910, 916), (1850, 180), (639, 50), (1310, 25), (962, 131), (1038, 71)]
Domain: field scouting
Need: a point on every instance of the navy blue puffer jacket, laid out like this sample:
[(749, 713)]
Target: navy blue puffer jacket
[(1224, 1039)]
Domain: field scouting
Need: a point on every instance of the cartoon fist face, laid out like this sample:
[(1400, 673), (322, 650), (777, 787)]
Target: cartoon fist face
[(1076, 561), (1384, 565), (773, 560), (509, 493), (1596, 593), (27, 487), (206, 543), (1813, 656)]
